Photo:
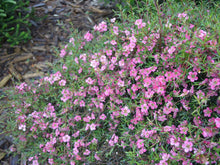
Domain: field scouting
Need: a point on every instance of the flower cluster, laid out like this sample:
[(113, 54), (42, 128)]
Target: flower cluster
[(126, 97)]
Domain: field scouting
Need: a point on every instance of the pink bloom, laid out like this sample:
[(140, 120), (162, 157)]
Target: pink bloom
[(134, 88), (152, 104), (207, 132), (35, 162), (144, 109), (167, 128), (121, 83), (62, 53), (187, 146), (202, 34), (200, 94), (113, 42), (165, 156), (72, 163), (72, 40), (66, 138), (183, 130), (125, 111), (140, 143), (92, 127), (102, 117), (139, 23), (62, 82), (96, 157), (115, 30), (94, 63), (163, 162), (142, 150), (214, 82), (109, 52), (77, 118), (88, 36), (207, 112), (192, 76), (217, 122), (174, 141), (82, 103), (171, 50), (112, 20), (102, 27), (87, 152), (50, 161), (76, 134)]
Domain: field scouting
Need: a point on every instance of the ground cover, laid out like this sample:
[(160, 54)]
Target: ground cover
[(142, 90)]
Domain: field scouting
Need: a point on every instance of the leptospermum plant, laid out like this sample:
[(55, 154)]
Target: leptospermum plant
[(115, 97)]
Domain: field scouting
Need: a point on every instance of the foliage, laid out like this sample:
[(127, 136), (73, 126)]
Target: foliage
[(14, 21), (141, 91)]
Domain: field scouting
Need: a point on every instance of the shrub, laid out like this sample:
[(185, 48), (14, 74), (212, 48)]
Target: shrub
[(141, 91), (14, 22)]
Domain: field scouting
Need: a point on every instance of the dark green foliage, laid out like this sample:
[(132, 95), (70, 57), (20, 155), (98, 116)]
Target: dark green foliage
[(14, 22)]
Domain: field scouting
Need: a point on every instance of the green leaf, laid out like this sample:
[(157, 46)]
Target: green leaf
[(10, 1)]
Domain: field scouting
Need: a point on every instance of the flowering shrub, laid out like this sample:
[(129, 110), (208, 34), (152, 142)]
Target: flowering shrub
[(126, 92)]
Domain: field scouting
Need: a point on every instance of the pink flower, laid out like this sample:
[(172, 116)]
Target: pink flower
[(165, 156), (102, 27), (187, 146), (77, 118), (72, 163), (140, 143), (121, 83), (93, 127), (96, 157), (87, 152), (113, 42), (102, 117), (207, 132), (109, 52), (167, 128), (66, 138), (115, 30), (183, 130), (171, 50), (72, 40), (76, 134), (140, 24), (35, 162), (217, 122), (112, 20), (192, 76), (88, 36), (50, 161), (125, 111), (144, 108), (214, 82), (174, 141), (94, 63), (207, 112), (62, 53), (62, 82)]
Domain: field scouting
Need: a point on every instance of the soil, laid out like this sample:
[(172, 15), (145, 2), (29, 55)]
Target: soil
[(33, 60)]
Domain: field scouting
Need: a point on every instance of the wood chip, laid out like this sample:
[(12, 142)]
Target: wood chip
[(22, 58), (32, 75), (96, 10), (14, 72), (5, 80), (38, 48)]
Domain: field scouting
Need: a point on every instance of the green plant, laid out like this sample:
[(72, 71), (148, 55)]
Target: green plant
[(14, 22), (140, 91)]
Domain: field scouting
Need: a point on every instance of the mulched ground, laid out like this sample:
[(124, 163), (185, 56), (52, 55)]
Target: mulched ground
[(35, 59)]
